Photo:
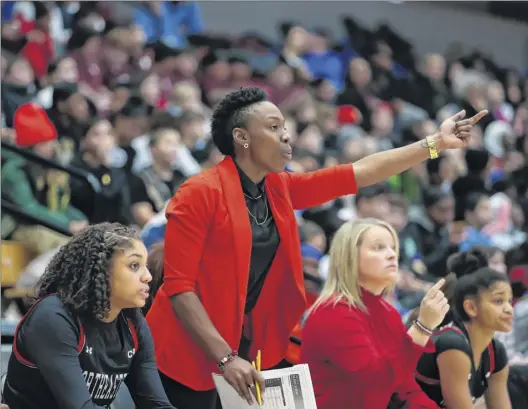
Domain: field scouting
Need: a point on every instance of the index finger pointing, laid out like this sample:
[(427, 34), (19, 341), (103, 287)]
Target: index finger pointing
[(476, 118), (437, 286)]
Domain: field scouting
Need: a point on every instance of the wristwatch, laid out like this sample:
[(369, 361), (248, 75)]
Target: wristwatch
[(431, 145)]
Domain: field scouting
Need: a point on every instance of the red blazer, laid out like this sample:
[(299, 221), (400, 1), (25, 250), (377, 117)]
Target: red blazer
[(208, 249)]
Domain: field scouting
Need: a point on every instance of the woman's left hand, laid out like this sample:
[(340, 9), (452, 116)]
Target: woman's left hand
[(455, 132)]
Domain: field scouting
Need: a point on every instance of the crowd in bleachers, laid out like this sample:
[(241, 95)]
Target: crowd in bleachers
[(130, 88)]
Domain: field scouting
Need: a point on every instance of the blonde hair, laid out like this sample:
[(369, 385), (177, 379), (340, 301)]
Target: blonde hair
[(342, 283)]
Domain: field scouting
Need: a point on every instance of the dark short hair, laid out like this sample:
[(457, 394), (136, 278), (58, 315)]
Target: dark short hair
[(232, 112), (473, 199), (372, 191)]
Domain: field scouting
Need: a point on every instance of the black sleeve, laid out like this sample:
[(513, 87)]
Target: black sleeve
[(449, 340), (501, 356), (50, 338), (138, 191), (143, 380)]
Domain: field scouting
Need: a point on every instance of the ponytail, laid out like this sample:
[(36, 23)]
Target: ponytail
[(458, 265)]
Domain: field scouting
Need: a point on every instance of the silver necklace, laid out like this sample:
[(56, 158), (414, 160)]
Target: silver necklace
[(253, 216), (251, 197)]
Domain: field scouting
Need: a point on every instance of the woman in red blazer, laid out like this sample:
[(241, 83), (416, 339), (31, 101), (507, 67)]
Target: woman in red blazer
[(233, 274)]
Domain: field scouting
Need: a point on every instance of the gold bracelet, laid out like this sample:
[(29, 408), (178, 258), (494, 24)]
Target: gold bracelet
[(431, 145)]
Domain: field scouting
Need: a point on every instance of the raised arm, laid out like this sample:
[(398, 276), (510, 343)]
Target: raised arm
[(315, 188), (454, 133)]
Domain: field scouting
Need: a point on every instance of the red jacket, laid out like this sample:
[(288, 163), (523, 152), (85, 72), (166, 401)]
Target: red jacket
[(358, 360), (208, 249)]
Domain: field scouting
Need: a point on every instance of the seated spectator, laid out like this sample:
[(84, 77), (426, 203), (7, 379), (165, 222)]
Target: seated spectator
[(70, 112), (321, 60), (129, 124), (295, 44), (429, 236), (18, 87), (40, 48), (154, 231), (98, 151), (477, 216), (186, 96), (43, 193), (155, 185), (313, 246), (61, 71), (75, 346), (346, 331), (193, 128), (170, 17), (468, 362)]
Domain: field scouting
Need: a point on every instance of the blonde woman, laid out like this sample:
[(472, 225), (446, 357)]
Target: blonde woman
[(360, 354)]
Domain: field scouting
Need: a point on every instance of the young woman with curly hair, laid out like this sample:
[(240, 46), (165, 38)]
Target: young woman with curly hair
[(233, 280), (85, 335)]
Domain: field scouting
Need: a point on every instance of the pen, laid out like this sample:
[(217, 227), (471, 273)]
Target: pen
[(257, 386)]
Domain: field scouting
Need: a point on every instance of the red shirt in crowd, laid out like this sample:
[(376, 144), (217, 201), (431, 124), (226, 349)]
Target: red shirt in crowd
[(39, 51), (359, 359)]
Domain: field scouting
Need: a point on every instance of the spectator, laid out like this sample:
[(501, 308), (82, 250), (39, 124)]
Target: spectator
[(61, 71), (70, 111), (321, 60), (130, 123), (295, 44), (477, 216), (44, 193), (429, 236), (163, 21), (18, 87), (155, 185), (113, 201), (40, 48)]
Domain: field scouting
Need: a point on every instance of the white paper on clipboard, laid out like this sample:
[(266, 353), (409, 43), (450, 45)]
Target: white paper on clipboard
[(288, 388)]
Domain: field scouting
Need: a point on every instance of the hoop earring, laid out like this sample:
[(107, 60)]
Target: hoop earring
[(246, 145)]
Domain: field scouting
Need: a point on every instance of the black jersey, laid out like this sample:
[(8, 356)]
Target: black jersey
[(62, 361), (454, 336)]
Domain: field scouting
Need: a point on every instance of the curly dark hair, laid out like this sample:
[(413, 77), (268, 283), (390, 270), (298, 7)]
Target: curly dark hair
[(232, 112), (79, 273)]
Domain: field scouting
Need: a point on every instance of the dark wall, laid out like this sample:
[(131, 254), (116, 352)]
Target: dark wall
[(517, 10)]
